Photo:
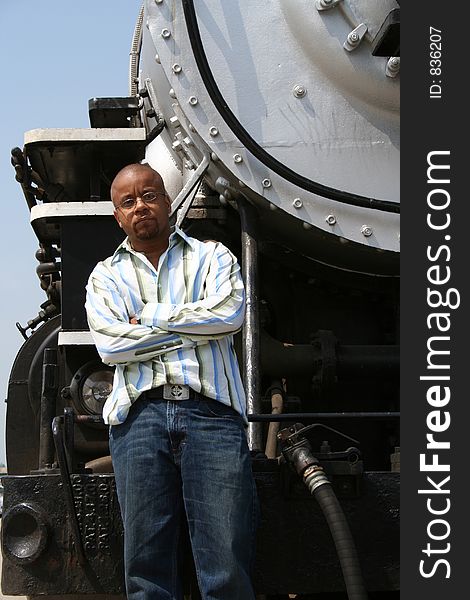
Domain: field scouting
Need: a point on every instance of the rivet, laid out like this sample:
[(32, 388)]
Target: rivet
[(188, 141), (192, 100), (306, 225), (177, 146), (147, 24), (240, 183), (299, 91), (166, 33), (157, 58), (172, 93), (237, 158), (174, 122), (366, 230), (331, 220), (191, 127), (213, 131), (393, 66), (266, 183), (214, 157), (297, 203), (272, 207), (158, 1), (326, 4), (343, 240), (176, 68)]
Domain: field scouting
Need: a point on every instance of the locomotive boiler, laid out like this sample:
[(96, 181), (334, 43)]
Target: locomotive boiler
[(275, 126)]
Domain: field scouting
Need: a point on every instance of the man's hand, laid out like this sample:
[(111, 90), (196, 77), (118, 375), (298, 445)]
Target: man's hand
[(134, 321)]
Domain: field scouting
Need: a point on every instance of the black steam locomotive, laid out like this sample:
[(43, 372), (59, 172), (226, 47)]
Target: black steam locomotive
[(287, 154)]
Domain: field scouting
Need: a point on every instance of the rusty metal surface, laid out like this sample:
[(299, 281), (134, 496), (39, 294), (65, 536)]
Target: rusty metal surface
[(57, 570), (295, 551)]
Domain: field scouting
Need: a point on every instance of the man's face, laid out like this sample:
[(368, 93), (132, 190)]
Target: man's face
[(143, 222)]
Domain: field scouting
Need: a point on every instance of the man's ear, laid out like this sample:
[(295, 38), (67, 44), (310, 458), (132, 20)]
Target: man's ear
[(115, 213)]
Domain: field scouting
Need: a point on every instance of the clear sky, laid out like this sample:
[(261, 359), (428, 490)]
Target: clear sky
[(54, 56)]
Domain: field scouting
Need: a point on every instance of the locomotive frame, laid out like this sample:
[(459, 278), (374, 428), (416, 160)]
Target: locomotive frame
[(320, 338)]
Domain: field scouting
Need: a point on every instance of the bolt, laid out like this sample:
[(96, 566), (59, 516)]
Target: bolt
[(191, 127), (326, 4), (176, 68), (192, 100), (366, 230), (188, 141), (150, 113), (299, 91), (174, 122), (157, 58), (143, 92), (331, 220), (266, 183), (158, 1), (213, 131), (172, 93), (353, 38), (297, 203), (166, 33), (306, 225), (237, 158), (272, 207), (393, 66), (214, 157)]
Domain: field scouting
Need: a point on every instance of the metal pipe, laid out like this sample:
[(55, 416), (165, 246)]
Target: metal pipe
[(251, 362), (134, 54), (254, 418), (57, 432), (279, 359), (277, 403), (47, 411), (103, 464)]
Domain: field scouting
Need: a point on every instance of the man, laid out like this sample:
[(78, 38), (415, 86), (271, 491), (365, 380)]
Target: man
[(163, 309)]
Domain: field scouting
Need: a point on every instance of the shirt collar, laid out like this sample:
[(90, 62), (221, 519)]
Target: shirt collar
[(175, 234)]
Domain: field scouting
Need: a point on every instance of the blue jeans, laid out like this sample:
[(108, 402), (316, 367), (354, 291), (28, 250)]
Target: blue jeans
[(187, 457)]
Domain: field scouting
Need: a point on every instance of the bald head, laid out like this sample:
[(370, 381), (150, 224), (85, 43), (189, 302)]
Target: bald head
[(142, 207), (134, 171)]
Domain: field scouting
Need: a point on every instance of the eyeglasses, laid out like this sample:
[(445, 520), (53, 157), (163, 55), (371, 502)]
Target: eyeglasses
[(148, 198)]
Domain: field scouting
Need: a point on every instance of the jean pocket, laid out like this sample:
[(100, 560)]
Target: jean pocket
[(214, 408)]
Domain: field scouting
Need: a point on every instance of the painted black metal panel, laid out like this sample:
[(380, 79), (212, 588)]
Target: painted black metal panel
[(295, 551)]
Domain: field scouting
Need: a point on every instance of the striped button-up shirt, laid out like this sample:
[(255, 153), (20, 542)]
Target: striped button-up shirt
[(188, 309)]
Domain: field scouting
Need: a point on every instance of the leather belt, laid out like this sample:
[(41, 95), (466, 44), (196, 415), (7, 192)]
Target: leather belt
[(172, 391)]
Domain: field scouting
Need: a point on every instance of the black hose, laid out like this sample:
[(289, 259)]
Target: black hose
[(343, 540)]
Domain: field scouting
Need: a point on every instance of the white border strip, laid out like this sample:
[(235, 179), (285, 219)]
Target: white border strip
[(102, 208), (75, 338)]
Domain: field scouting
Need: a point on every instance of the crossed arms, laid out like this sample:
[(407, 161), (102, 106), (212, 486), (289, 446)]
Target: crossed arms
[(164, 327)]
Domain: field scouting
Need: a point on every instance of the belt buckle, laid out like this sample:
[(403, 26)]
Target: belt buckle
[(175, 391)]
